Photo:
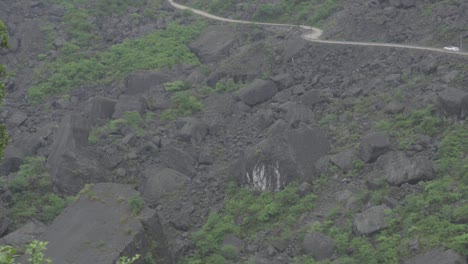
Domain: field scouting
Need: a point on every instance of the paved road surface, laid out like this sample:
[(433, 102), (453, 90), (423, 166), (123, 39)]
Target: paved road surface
[(313, 34)]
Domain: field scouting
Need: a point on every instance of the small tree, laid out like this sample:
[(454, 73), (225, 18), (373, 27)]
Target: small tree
[(35, 250)]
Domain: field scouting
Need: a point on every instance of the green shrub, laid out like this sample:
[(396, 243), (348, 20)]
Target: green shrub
[(182, 104), (178, 86), (131, 119), (227, 86), (136, 204)]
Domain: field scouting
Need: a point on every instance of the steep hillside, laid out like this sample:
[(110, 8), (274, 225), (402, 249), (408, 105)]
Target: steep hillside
[(423, 22), (139, 129)]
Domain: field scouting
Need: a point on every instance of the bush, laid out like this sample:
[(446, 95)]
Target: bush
[(136, 204), (177, 86), (183, 104)]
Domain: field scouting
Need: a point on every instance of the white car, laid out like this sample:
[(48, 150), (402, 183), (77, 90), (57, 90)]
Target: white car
[(452, 48)]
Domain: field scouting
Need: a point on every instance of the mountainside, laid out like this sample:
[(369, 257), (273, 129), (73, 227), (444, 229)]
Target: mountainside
[(140, 129)]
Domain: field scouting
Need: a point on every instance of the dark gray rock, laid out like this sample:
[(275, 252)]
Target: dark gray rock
[(149, 149), (344, 160), (129, 104), (160, 182), (232, 240), (294, 113), (349, 200), (193, 130), (101, 220), (101, 108), (283, 81), (20, 237), (305, 188), (311, 98), (438, 257), (179, 160), (318, 245), (69, 169), (373, 145), (403, 3), (205, 157), (394, 108), (214, 43), (257, 92), (370, 221), (16, 119), (399, 168), (453, 102), (142, 81), (4, 220), (282, 158)]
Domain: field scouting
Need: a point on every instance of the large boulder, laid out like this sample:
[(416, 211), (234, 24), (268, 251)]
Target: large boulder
[(70, 168), (318, 245), (399, 168), (160, 182), (20, 237), (284, 157), (438, 257), (453, 102), (101, 226), (294, 113), (373, 145), (129, 104), (344, 160), (214, 43), (179, 160), (142, 81), (371, 220), (193, 129), (100, 108), (257, 92)]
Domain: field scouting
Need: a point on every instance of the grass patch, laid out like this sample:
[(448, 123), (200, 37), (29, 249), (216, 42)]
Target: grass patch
[(258, 212), (32, 194), (184, 103), (131, 119), (162, 49)]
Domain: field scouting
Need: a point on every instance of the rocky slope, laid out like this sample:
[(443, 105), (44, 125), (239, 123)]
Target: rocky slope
[(364, 148)]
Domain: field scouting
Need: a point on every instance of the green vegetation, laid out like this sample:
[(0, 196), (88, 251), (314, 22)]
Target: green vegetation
[(136, 204), (258, 212), (184, 103), (156, 51), (405, 127), (131, 119), (309, 12), (177, 86), (223, 86), (32, 194), (3, 75)]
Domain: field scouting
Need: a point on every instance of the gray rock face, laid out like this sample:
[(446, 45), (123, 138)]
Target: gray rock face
[(370, 221), (283, 81), (214, 43), (142, 81), (399, 168), (101, 220), (318, 246), (180, 160), (101, 108), (128, 104), (296, 113), (257, 92), (373, 145), (437, 257), (16, 119), (344, 160), (70, 170), (160, 182), (22, 236), (278, 160), (193, 130), (453, 102), (4, 220)]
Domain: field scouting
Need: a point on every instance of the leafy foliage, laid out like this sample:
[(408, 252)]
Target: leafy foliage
[(3, 75), (131, 119), (183, 104), (32, 194), (136, 204), (177, 86), (156, 51), (257, 211)]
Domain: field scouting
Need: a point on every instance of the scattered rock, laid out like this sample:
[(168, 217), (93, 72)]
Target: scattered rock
[(16, 119), (370, 221), (318, 245), (20, 237), (232, 240), (160, 182), (214, 43), (438, 257), (101, 108), (399, 168), (193, 130), (142, 81), (179, 160), (283, 81), (4, 220), (111, 226), (453, 102), (373, 145), (257, 92), (344, 160)]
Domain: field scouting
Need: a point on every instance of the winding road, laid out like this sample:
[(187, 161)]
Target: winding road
[(313, 34)]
